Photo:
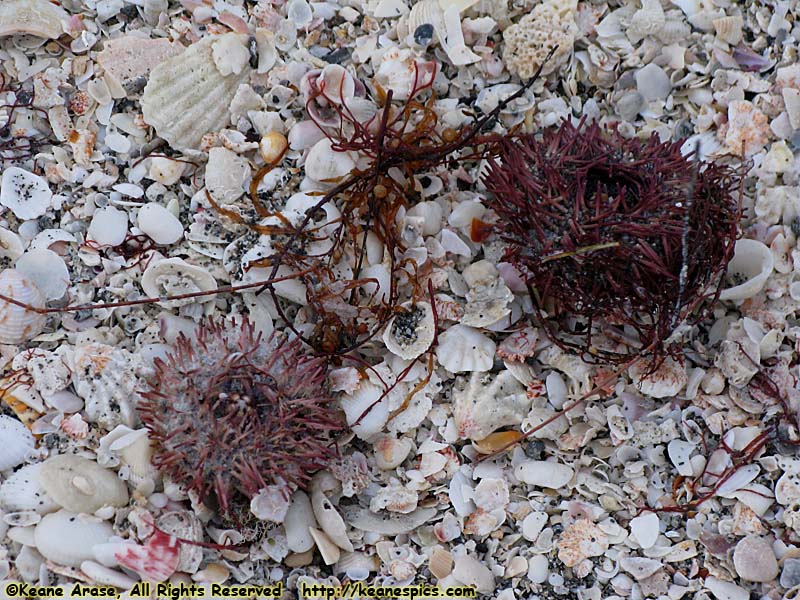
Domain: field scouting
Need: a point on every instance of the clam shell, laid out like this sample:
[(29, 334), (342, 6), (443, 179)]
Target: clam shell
[(16, 442), (135, 455), (27, 195), (81, 485), (411, 333), (47, 270), (184, 525), (188, 95), (66, 538), (23, 491), (362, 518), (18, 325), (360, 400), (749, 269), (32, 17), (463, 349)]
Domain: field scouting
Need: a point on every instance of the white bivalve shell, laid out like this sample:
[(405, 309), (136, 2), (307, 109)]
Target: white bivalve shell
[(159, 224), (135, 453), (326, 165), (363, 400), (16, 442), (109, 226), (174, 276), (47, 270), (17, 324), (81, 485), (189, 95), (66, 538), (106, 378), (484, 404), (26, 194), (410, 333), (299, 518), (23, 491), (749, 269), (463, 349), (32, 17)]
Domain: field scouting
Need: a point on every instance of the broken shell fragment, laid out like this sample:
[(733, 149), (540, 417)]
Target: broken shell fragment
[(410, 333), (463, 349), (66, 538), (26, 194), (32, 17), (16, 442), (751, 265)]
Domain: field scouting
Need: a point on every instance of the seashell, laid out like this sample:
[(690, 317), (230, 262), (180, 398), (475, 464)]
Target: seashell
[(679, 453), (726, 590), (328, 517), (128, 59), (653, 83), (10, 244), (272, 147), (463, 349), (135, 453), (184, 525), (226, 174), (329, 551), (355, 405), (105, 377), (159, 224), (16, 442), (104, 576), (81, 485), (648, 20), (546, 474), (18, 325), (396, 524), (431, 214), (23, 491), (32, 17), (109, 226), (488, 297), (390, 452), (667, 381), (408, 334), (174, 276), (66, 538), (326, 165), (189, 95), (26, 194), (497, 441), (299, 518), (468, 570), (402, 72), (485, 404), (440, 563), (645, 529), (748, 271), (581, 540), (729, 29), (47, 270), (519, 345), (155, 561), (356, 565), (640, 567), (748, 127)]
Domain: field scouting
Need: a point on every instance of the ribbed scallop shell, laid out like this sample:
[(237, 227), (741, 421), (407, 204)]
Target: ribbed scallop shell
[(22, 491), (15, 440), (463, 349), (17, 324), (187, 96), (184, 525), (81, 485), (33, 17)]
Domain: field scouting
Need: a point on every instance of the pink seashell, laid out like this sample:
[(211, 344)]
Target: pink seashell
[(512, 277), (75, 427), (236, 23), (155, 561), (519, 345)]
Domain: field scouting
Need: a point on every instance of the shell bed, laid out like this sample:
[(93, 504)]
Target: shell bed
[(312, 177)]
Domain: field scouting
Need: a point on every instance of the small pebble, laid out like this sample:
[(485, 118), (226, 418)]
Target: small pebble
[(423, 35)]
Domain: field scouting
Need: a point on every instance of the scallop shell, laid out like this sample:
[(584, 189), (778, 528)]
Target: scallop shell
[(463, 349), (17, 324), (361, 400), (484, 404), (23, 491), (646, 21), (729, 29), (81, 485), (184, 525), (32, 17), (749, 269), (174, 276), (190, 94), (411, 333), (66, 538), (106, 378), (16, 442)]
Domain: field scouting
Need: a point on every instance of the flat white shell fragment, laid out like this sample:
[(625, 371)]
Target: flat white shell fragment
[(645, 529), (324, 164), (749, 269), (66, 538), (109, 226), (544, 473), (299, 518), (27, 195), (159, 224), (226, 174), (32, 17), (81, 485), (47, 270)]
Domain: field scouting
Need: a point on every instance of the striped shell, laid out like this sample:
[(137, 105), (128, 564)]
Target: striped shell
[(17, 324), (187, 95), (23, 491), (16, 442), (33, 17)]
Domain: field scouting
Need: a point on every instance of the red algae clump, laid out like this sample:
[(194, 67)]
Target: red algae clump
[(619, 240), (231, 414)]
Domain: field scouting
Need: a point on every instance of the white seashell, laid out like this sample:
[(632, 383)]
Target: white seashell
[(410, 333), (304, 134), (32, 17), (226, 174), (355, 404), (23, 491), (299, 518), (270, 504), (135, 453), (488, 298), (128, 59), (648, 20), (159, 224), (645, 529), (66, 538), (725, 590), (357, 565), (328, 517), (739, 479), (729, 29), (667, 381), (397, 524), (398, 71), (679, 453), (106, 378), (751, 265), (173, 276), (18, 325), (329, 551), (105, 576), (468, 570), (16, 442), (390, 452), (326, 165), (431, 213), (640, 567), (206, 70), (485, 404), (464, 349), (533, 524), (47, 270), (81, 485), (652, 82), (26, 194), (10, 244), (544, 474), (109, 226)]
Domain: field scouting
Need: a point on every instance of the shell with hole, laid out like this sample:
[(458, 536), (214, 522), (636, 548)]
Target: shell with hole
[(410, 333), (18, 324), (174, 276), (81, 485), (16, 441), (189, 95), (32, 17)]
